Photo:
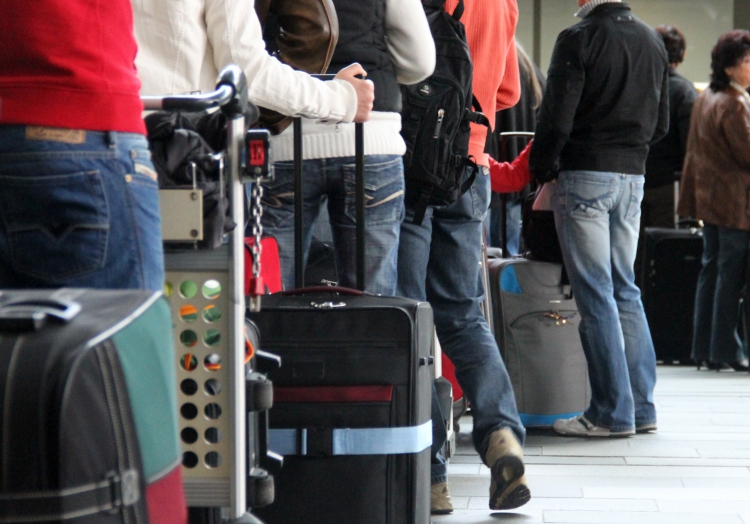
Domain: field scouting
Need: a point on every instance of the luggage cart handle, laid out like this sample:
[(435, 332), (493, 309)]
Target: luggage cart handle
[(230, 95), (198, 102)]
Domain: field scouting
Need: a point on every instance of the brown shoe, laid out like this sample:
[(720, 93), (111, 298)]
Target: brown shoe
[(440, 499), (504, 456)]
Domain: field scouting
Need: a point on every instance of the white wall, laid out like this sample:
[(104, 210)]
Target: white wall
[(702, 22)]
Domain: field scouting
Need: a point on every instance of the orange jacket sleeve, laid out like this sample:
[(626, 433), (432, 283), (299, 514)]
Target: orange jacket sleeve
[(509, 177)]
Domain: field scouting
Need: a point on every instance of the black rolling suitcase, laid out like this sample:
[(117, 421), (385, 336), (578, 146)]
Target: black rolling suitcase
[(88, 411), (352, 398), (672, 262)]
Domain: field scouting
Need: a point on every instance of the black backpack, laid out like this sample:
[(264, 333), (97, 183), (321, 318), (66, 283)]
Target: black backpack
[(435, 117)]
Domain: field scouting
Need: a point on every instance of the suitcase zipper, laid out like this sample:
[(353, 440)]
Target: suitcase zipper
[(113, 387)]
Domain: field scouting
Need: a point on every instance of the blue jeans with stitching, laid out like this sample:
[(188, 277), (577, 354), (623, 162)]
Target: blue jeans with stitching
[(78, 214), (438, 261), (597, 215), (334, 178)]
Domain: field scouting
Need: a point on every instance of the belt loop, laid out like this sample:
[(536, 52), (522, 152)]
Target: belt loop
[(112, 139)]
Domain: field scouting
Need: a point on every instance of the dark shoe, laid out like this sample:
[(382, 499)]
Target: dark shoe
[(702, 363), (508, 488), (726, 366)]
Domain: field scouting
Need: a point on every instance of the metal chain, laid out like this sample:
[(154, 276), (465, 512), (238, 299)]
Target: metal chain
[(257, 249), (257, 211)]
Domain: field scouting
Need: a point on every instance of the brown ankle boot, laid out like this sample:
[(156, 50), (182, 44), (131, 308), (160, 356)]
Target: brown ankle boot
[(504, 457), (440, 499)]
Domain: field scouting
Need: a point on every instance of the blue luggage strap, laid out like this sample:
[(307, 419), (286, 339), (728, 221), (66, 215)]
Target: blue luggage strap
[(348, 441)]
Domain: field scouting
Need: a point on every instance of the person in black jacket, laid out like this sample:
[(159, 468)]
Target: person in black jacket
[(665, 158), (606, 101)]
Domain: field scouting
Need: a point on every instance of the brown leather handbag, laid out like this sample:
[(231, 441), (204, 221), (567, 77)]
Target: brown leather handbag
[(300, 33)]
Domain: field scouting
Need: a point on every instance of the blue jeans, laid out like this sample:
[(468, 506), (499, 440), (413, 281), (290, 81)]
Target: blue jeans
[(78, 214), (725, 257), (334, 178), (597, 216), (495, 227), (438, 261)]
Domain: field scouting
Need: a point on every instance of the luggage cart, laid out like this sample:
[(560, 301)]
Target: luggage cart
[(207, 293)]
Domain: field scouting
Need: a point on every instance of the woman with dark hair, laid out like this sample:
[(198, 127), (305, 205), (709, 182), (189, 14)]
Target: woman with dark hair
[(716, 189)]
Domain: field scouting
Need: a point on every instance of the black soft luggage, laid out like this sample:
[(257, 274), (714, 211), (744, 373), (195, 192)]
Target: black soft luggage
[(352, 399), (672, 262), (536, 328), (88, 411)]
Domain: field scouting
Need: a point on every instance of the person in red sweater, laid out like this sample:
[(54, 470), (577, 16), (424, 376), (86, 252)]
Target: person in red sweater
[(439, 262), (78, 192), (79, 200)]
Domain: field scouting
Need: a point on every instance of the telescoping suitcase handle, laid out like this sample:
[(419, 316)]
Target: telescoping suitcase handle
[(359, 189)]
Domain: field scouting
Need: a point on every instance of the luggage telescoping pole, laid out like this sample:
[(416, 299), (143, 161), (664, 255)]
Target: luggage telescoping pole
[(299, 220)]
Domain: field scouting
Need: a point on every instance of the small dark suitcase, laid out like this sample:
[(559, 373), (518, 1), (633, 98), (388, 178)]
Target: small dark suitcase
[(536, 328), (672, 262), (352, 399), (88, 410)]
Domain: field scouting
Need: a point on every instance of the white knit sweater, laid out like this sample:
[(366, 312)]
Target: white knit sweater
[(183, 44)]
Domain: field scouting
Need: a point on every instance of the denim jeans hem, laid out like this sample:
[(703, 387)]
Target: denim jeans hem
[(438, 479)]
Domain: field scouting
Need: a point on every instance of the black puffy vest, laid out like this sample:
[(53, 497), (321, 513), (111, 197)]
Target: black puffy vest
[(362, 39)]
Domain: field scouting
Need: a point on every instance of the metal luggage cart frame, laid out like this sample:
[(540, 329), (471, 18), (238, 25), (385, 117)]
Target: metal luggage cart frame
[(207, 294)]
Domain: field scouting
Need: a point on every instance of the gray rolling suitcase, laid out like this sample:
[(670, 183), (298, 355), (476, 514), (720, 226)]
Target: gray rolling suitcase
[(536, 328)]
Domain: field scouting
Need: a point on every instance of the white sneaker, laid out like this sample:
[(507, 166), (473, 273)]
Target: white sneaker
[(580, 427)]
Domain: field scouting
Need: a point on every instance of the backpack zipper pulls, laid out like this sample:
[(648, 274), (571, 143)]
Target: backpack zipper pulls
[(439, 124)]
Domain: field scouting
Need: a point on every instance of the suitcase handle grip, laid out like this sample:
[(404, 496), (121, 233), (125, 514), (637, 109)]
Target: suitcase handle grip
[(33, 314), (323, 289)]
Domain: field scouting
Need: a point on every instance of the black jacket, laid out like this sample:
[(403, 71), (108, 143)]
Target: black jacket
[(362, 39), (607, 96), (667, 155)]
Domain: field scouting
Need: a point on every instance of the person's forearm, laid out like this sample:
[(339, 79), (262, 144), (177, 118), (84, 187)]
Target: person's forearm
[(510, 177)]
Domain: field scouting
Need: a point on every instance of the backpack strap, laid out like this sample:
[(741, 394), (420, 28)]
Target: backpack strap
[(420, 208), (459, 11), (478, 117)]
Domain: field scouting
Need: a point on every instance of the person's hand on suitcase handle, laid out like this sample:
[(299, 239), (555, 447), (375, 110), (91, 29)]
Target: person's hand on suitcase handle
[(365, 90)]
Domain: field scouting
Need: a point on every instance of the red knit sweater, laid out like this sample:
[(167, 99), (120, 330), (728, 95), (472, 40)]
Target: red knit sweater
[(69, 64), (509, 177), (490, 29)]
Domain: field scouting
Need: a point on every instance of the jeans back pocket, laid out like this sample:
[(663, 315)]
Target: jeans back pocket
[(57, 225)]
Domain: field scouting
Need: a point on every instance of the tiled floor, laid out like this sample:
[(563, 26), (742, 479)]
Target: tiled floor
[(694, 470)]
